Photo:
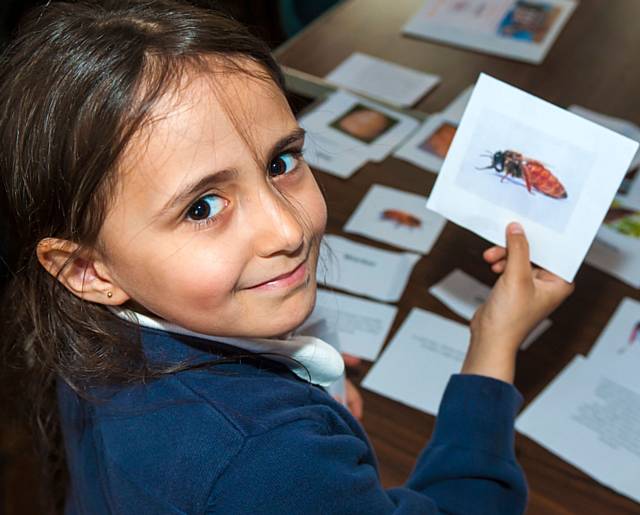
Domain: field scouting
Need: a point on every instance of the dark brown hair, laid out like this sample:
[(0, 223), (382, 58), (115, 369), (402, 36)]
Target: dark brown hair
[(76, 84)]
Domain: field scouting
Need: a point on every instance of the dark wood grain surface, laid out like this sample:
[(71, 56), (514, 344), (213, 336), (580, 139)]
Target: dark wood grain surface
[(594, 63)]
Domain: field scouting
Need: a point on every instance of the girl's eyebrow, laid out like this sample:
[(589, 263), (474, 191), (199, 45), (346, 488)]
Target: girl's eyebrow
[(190, 190), (293, 137)]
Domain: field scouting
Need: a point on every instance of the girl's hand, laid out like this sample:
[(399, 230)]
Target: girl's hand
[(521, 298)]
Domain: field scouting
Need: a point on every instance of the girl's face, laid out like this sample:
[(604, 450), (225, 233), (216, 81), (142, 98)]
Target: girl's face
[(217, 219)]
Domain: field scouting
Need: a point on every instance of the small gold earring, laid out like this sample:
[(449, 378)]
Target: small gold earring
[(109, 294)]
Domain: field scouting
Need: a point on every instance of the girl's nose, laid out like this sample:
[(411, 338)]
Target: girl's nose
[(278, 225)]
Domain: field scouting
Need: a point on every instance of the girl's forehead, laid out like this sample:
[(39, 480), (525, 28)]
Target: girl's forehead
[(206, 122)]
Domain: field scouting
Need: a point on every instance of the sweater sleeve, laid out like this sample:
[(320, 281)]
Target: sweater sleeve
[(468, 468)]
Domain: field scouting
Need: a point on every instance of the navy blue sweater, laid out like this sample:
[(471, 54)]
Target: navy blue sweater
[(251, 437)]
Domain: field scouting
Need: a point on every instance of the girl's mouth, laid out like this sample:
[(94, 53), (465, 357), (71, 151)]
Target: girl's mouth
[(287, 280)]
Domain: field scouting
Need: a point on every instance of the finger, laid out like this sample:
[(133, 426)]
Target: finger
[(499, 267), (494, 254), (518, 265)]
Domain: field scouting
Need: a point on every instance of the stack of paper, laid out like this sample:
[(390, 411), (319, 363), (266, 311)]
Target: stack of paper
[(396, 217), (429, 145), (382, 80), (464, 294), (346, 131), (518, 29), (590, 414)]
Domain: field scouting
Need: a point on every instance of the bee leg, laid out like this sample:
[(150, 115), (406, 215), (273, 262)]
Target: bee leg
[(527, 178)]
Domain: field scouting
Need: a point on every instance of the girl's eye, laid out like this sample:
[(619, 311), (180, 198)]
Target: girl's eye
[(284, 164), (206, 208)]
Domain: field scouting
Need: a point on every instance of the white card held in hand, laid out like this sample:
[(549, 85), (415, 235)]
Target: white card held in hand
[(518, 158), (396, 217), (363, 269), (464, 294), (382, 80), (356, 326), (415, 367)]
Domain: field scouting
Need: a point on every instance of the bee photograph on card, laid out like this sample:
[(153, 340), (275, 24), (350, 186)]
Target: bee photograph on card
[(538, 176)]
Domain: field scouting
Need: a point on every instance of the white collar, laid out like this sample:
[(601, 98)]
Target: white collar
[(310, 358)]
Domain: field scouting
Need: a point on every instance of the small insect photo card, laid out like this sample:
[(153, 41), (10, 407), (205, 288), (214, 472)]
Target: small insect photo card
[(396, 217), (428, 147), (363, 127), (516, 157)]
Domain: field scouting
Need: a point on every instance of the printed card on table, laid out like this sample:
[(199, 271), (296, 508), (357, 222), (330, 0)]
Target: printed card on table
[(620, 340), (363, 269), (518, 158), (356, 326), (616, 249), (428, 146), (354, 128), (382, 80), (518, 29), (416, 365), (396, 217), (588, 416)]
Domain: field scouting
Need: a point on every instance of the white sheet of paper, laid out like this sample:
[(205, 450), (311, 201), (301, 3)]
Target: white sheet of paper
[(363, 269), (382, 80), (629, 193), (358, 125), (587, 160), (332, 156), (589, 416), (620, 339), (396, 217), (464, 294), (617, 254), (359, 326), (416, 365), (489, 26)]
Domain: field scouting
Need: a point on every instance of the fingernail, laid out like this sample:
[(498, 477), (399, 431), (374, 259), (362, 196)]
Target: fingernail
[(515, 228)]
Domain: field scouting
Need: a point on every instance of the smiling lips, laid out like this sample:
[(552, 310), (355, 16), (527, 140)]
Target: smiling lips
[(297, 275)]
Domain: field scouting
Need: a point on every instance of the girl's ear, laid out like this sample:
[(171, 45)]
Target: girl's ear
[(85, 276)]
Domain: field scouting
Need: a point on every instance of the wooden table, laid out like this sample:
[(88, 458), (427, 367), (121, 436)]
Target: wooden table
[(593, 63)]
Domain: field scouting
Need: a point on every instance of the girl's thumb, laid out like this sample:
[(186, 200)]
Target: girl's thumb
[(518, 264)]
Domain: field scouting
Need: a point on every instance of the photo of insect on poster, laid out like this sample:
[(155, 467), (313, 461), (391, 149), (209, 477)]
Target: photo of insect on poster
[(516, 157), (396, 217)]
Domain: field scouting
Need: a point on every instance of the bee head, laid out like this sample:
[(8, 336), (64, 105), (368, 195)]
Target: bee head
[(497, 160)]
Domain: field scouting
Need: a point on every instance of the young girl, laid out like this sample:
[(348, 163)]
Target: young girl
[(168, 232)]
